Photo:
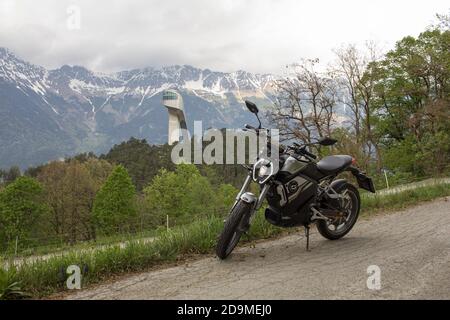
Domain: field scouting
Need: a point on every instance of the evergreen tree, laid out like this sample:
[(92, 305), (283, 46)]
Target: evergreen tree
[(142, 161)]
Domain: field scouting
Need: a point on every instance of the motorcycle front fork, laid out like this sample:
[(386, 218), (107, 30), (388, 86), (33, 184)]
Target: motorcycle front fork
[(244, 188), (250, 197)]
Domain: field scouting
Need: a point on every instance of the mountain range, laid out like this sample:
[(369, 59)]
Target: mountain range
[(50, 114)]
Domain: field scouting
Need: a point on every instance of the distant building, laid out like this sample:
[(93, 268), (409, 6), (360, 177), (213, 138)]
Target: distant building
[(173, 101)]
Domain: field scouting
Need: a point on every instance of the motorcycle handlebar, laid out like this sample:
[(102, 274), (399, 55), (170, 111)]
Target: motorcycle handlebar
[(302, 150), (309, 154)]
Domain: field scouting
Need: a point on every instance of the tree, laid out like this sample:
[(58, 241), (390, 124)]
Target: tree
[(305, 103), (443, 22), (20, 209), (8, 176), (412, 92), (114, 206), (354, 71), (182, 195), (70, 189), (99, 170), (142, 161)]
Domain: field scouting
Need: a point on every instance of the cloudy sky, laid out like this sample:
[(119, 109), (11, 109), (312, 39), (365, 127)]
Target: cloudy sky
[(227, 35)]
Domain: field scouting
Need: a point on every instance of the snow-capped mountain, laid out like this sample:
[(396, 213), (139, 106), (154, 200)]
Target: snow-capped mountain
[(47, 114)]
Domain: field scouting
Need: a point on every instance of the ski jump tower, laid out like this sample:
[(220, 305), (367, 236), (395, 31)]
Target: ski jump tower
[(173, 101)]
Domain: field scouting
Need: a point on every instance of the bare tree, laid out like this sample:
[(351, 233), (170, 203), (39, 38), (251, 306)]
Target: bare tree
[(305, 103), (354, 71), (443, 21)]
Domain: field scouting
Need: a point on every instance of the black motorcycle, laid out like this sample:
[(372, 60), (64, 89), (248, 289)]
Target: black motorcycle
[(299, 190)]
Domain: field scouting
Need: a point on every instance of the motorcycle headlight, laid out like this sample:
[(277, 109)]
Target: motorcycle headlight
[(262, 171)]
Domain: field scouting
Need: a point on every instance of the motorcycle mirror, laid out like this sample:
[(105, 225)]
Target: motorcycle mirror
[(251, 107), (327, 141)]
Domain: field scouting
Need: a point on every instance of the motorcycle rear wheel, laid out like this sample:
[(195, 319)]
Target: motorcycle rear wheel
[(233, 229), (341, 229)]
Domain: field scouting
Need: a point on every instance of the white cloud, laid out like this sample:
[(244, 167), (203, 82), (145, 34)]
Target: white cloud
[(254, 35)]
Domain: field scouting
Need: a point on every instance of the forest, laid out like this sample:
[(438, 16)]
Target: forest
[(399, 127)]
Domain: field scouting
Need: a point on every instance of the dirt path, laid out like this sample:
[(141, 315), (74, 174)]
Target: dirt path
[(411, 247)]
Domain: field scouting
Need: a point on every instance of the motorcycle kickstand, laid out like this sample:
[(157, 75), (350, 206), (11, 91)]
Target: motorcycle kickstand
[(307, 238)]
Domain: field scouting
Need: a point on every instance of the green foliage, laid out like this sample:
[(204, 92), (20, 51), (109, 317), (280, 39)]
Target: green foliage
[(261, 229), (114, 205), (70, 189), (412, 93), (182, 195), (20, 208), (9, 287), (226, 196), (141, 160), (372, 203)]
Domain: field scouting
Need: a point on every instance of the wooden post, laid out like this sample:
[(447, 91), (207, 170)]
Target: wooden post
[(17, 243), (385, 176), (167, 222)]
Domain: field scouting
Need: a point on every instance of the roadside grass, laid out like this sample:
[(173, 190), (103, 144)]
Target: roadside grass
[(372, 203), (43, 277), (85, 245)]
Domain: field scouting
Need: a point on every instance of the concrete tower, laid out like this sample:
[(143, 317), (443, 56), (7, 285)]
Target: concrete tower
[(173, 101)]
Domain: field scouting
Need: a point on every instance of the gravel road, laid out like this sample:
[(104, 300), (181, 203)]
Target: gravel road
[(411, 248)]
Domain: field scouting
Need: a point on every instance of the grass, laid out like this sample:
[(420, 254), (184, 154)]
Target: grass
[(43, 277), (372, 203), (100, 241)]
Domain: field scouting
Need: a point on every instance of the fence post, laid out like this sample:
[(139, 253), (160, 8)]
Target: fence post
[(167, 222), (17, 243), (385, 176)]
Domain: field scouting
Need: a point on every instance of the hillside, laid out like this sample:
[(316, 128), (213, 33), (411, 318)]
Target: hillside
[(48, 114)]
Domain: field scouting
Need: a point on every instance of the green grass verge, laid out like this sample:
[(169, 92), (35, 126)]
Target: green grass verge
[(100, 241), (43, 277), (372, 203)]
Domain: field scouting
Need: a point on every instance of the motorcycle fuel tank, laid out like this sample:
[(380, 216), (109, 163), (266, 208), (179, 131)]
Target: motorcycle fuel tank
[(292, 166)]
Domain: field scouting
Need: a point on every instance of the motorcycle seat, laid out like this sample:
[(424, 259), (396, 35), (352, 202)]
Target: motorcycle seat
[(334, 164)]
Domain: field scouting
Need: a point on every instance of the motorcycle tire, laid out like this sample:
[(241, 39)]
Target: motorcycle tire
[(323, 226), (233, 229)]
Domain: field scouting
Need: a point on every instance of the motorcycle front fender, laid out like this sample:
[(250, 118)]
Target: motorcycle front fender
[(256, 201), (248, 197)]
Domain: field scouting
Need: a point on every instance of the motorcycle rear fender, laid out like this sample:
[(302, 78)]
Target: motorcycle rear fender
[(337, 184), (364, 182)]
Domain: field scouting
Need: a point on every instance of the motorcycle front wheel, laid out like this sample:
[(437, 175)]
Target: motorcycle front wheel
[(235, 226)]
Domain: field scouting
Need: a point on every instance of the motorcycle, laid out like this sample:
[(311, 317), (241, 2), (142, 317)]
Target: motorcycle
[(300, 191)]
